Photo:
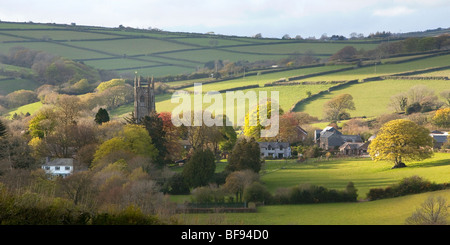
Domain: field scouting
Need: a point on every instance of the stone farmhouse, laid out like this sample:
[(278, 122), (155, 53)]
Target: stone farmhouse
[(331, 139)]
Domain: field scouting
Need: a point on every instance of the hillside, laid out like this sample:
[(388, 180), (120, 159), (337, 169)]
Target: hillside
[(295, 68), (157, 53)]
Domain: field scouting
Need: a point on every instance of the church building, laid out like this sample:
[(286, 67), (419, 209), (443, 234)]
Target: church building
[(144, 98)]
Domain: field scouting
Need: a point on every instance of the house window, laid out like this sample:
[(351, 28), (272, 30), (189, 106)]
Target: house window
[(281, 147), (47, 168), (269, 148), (56, 168), (67, 168)]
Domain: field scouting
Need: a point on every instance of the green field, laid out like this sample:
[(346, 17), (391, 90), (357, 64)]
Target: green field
[(392, 211), (335, 174), (30, 108), (371, 98), (129, 50), (363, 172)]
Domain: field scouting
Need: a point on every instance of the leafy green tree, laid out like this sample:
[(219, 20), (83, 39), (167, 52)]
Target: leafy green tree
[(401, 140), (199, 170), (132, 139), (229, 137), (42, 123), (109, 84), (102, 116), (442, 118), (338, 106), (245, 155)]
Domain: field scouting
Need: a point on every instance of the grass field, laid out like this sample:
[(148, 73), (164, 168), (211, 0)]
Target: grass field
[(363, 172), (335, 174), (371, 98), (385, 69), (30, 108), (392, 211)]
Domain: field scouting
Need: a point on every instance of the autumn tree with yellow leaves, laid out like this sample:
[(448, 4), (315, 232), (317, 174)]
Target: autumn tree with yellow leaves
[(401, 140)]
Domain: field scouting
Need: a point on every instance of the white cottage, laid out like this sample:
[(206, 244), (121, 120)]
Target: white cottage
[(58, 167), (275, 149)]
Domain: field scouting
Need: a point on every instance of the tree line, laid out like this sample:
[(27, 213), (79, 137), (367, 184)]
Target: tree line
[(387, 49)]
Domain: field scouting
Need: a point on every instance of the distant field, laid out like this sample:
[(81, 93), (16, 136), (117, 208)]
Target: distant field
[(371, 98), (9, 85), (385, 69), (266, 78), (135, 50), (30, 108)]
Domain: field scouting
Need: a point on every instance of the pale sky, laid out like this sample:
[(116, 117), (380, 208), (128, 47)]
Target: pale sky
[(239, 17)]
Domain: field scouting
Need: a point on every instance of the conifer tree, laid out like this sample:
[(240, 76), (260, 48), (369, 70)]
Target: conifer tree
[(101, 116)]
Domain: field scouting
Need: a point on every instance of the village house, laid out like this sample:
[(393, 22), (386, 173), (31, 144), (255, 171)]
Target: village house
[(275, 149), (354, 149), (439, 138), (62, 167), (331, 139)]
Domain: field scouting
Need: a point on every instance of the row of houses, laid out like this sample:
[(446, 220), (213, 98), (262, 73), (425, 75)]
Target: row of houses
[(329, 139)]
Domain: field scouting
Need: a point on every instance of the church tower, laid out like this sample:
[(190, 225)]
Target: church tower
[(144, 98)]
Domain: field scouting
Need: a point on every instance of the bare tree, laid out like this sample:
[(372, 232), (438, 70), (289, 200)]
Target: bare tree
[(432, 212), (399, 102), (78, 187)]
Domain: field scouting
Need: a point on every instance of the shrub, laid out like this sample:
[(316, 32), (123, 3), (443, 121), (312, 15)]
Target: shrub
[(257, 192), (281, 196), (128, 216), (208, 194), (307, 193)]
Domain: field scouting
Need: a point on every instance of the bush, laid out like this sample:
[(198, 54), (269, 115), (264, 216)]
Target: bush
[(129, 216), (208, 194), (307, 193), (257, 192)]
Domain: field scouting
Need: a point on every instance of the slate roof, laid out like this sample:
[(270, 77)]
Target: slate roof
[(59, 162), (273, 144), (440, 138), (351, 138)]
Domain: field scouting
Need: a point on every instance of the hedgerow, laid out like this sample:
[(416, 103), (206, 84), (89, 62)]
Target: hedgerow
[(409, 185)]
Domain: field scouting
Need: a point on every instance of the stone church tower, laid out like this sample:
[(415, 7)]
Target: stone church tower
[(144, 98)]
